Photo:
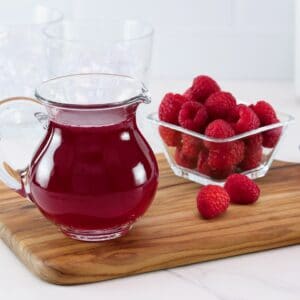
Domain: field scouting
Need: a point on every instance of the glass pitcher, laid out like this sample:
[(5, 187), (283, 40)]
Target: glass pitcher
[(92, 173)]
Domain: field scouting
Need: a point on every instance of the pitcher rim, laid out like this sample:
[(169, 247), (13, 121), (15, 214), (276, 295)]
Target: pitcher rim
[(143, 96)]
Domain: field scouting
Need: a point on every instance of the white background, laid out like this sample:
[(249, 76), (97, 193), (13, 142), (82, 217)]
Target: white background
[(249, 46), (229, 39)]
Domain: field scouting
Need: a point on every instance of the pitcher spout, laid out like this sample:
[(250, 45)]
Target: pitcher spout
[(145, 96)]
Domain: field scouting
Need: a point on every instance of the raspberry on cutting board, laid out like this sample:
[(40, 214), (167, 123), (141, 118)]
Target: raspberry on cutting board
[(212, 201), (241, 189)]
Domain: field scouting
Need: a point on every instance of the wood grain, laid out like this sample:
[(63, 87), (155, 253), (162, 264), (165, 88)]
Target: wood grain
[(170, 234)]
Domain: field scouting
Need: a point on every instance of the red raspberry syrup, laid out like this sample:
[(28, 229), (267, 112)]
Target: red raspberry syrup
[(93, 178)]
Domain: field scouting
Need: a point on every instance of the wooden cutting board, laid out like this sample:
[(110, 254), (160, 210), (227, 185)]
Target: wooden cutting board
[(170, 234)]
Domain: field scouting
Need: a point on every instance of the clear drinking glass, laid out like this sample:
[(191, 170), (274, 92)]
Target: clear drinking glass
[(110, 46), (23, 49)]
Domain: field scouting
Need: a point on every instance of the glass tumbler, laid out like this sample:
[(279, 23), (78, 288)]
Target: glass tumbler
[(23, 49), (103, 45)]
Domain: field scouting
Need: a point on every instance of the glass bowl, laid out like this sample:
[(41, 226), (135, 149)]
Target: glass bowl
[(193, 165)]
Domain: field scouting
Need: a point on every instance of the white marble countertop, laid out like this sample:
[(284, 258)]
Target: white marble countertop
[(271, 274)]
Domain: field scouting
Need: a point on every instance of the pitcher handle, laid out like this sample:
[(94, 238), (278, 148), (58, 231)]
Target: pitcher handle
[(20, 134)]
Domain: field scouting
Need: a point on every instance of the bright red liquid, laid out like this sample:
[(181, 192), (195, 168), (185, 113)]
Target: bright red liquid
[(94, 177)]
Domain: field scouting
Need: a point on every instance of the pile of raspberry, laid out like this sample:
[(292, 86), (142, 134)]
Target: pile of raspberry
[(213, 200), (204, 108)]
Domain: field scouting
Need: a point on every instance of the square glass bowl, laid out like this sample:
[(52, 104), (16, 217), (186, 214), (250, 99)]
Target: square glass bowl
[(204, 160)]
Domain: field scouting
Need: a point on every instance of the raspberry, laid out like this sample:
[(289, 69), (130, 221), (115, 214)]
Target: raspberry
[(265, 112), (193, 116), (241, 189), (188, 94), (190, 146), (253, 152), (212, 201), (222, 162), (170, 106), (222, 174), (220, 105), (202, 165), (267, 116), (271, 137), (170, 137), (203, 86), (252, 159), (185, 161), (237, 151), (253, 142), (233, 115), (218, 129), (248, 120)]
